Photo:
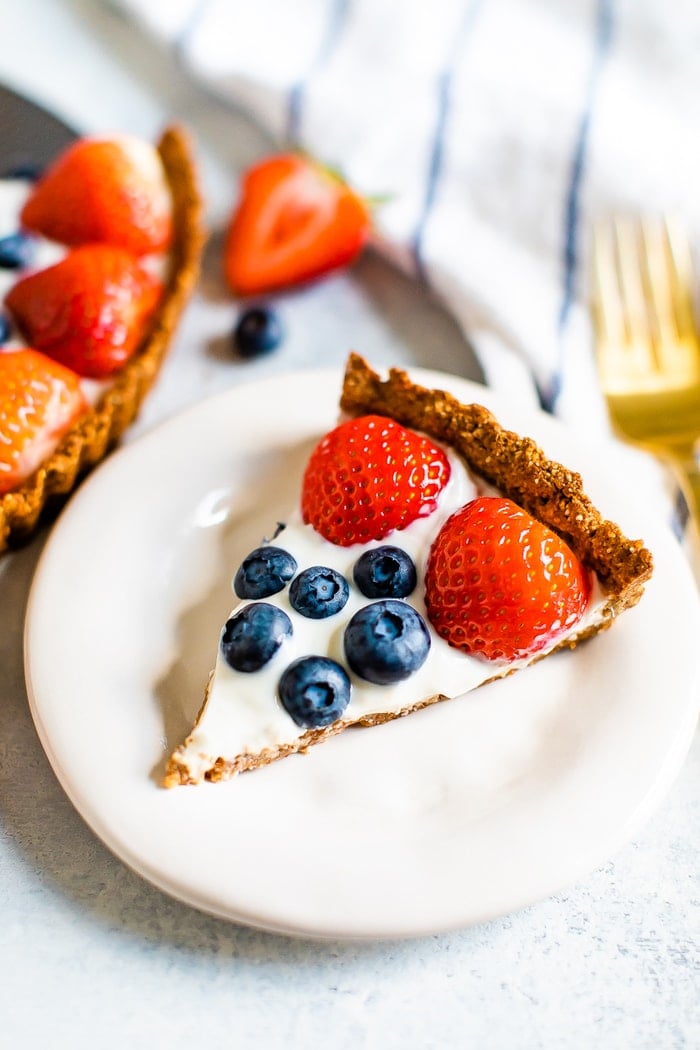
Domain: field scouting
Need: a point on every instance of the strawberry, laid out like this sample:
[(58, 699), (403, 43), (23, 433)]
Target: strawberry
[(110, 191), (295, 221), (501, 584), (89, 311), (39, 401), (368, 477)]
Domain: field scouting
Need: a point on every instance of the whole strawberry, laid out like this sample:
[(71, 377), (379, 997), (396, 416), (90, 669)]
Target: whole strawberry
[(368, 477), (89, 311), (39, 401), (111, 191), (501, 584), (295, 221)]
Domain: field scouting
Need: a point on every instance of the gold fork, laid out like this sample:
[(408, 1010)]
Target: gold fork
[(647, 341)]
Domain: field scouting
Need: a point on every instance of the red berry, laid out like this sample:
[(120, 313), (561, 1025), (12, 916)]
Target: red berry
[(295, 221), (368, 477), (89, 311), (110, 191), (39, 401), (501, 584)]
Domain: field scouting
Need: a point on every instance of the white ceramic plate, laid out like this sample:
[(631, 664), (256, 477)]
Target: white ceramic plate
[(457, 814)]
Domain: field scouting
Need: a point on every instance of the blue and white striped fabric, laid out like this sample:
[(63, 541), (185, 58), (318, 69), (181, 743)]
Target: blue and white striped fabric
[(499, 127)]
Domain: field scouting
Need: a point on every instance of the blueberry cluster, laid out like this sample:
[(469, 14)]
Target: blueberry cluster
[(17, 249), (385, 641)]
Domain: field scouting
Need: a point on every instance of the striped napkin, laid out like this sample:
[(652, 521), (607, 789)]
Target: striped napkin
[(499, 127)]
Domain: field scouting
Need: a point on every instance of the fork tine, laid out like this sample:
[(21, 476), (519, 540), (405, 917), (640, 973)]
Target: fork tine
[(647, 342), (669, 275), (660, 286), (606, 300), (642, 297), (683, 278), (634, 302), (624, 348)]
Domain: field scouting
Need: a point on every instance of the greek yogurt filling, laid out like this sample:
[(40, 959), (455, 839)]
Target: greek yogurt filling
[(242, 713)]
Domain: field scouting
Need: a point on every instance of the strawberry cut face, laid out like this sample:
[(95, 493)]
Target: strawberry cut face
[(500, 584), (89, 311), (39, 401), (371, 476), (295, 222)]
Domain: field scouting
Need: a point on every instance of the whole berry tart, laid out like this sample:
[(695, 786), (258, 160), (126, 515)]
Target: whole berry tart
[(432, 551), (95, 276)]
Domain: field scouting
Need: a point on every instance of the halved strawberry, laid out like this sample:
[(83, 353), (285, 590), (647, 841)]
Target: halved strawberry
[(89, 311), (39, 401), (500, 584), (295, 221), (368, 477), (110, 191)]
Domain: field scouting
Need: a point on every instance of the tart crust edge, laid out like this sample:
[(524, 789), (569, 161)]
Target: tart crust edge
[(99, 429)]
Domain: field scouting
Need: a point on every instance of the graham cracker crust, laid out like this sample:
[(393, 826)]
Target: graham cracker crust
[(99, 429)]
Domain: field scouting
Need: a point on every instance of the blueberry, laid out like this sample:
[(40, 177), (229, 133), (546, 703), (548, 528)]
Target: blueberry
[(26, 170), (5, 328), (259, 331), (266, 570), (318, 592), (386, 642), (314, 691), (16, 251), (385, 572), (251, 638)]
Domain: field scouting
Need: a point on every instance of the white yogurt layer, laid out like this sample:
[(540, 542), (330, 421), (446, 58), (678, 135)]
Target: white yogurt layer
[(242, 714)]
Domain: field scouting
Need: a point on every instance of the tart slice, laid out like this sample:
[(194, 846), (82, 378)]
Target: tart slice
[(118, 249), (432, 551)]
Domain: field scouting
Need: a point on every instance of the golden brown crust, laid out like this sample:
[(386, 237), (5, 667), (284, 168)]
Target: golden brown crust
[(515, 465), (99, 429), (519, 469), (177, 771)]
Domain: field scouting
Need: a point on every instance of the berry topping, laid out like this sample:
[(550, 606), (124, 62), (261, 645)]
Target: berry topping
[(314, 691), (251, 638), (386, 642), (501, 584), (295, 221), (385, 572), (259, 331), (5, 328), (39, 401), (265, 571), (368, 477), (318, 592), (27, 170), (111, 191), (16, 251), (89, 311)]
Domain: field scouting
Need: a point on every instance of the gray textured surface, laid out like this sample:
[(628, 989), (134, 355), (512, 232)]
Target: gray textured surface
[(92, 955)]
